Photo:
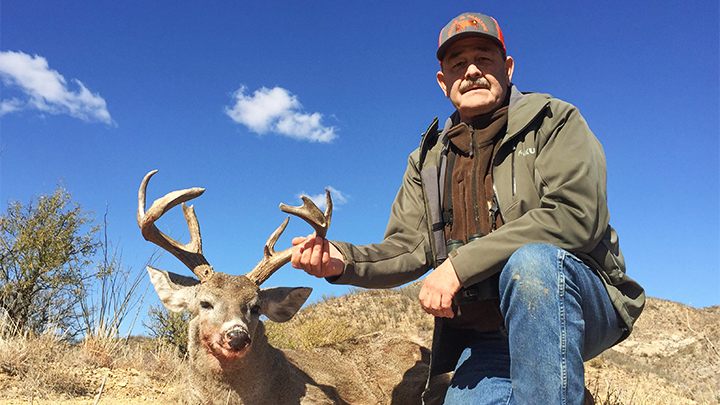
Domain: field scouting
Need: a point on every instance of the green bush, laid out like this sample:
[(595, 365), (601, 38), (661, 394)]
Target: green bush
[(169, 327)]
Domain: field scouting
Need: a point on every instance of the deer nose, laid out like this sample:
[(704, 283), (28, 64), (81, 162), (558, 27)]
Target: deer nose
[(237, 339)]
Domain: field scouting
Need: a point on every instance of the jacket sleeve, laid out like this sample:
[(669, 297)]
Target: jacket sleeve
[(405, 253), (570, 178)]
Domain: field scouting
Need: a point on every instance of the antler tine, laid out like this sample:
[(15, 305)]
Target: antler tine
[(312, 214), (190, 254), (272, 261)]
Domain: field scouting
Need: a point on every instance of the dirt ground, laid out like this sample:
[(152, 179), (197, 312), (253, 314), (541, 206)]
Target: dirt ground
[(671, 358)]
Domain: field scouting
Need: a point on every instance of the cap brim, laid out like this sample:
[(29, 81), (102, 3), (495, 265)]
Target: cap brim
[(467, 34)]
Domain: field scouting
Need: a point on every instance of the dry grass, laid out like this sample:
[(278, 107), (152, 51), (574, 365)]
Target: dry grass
[(45, 368), (670, 359), (337, 319), (43, 365)]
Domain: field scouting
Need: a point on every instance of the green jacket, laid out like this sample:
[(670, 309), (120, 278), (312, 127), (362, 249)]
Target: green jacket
[(550, 179)]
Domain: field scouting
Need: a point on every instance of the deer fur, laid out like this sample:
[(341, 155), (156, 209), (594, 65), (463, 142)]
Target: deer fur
[(255, 373), (231, 360), (248, 371)]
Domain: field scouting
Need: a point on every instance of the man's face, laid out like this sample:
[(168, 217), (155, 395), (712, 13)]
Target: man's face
[(475, 76)]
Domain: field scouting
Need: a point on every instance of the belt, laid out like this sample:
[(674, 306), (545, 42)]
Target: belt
[(485, 290)]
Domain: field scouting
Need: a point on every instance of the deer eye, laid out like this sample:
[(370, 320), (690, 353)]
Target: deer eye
[(205, 305), (255, 309)]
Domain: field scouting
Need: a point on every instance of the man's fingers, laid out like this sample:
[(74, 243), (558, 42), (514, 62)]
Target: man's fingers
[(435, 302), (295, 258), (300, 245), (316, 257), (303, 252), (446, 302), (298, 240), (306, 259), (325, 253), (447, 311), (440, 311), (311, 254)]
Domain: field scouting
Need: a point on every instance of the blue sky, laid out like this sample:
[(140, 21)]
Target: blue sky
[(259, 102)]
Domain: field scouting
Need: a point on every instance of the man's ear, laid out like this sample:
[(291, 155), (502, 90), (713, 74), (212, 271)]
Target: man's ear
[(441, 81), (176, 292), (280, 304), (509, 68)]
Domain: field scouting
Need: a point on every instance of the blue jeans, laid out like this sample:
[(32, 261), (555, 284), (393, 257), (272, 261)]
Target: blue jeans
[(557, 315)]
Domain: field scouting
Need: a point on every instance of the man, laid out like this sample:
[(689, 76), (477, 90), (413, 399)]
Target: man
[(508, 205)]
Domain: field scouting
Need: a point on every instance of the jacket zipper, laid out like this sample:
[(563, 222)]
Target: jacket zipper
[(506, 140), (514, 184), (476, 211), (497, 201)]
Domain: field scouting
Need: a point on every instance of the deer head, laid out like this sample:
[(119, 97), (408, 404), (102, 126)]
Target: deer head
[(227, 307)]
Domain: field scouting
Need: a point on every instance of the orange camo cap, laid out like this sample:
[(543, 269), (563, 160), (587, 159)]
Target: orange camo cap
[(469, 25)]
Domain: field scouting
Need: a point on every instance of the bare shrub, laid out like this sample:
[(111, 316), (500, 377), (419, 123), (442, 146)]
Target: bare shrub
[(171, 328), (106, 301)]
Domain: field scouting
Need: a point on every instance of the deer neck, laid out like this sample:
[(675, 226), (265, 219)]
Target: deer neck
[(252, 376)]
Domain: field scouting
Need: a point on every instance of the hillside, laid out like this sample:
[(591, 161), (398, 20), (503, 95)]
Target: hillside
[(672, 357)]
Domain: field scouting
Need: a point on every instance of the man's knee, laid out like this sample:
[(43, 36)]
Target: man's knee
[(530, 259), (530, 270)]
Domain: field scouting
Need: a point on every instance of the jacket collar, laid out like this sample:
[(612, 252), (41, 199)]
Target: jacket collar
[(524, 108)]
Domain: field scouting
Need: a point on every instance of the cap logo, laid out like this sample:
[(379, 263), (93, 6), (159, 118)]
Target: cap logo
[(469, 24), (465, 22)]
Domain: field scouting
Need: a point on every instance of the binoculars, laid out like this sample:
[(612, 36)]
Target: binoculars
[(484, 290), (453, 244)]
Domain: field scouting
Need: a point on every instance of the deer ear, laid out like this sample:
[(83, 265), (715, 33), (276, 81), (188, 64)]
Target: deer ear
[(280, 304), (176, 292)]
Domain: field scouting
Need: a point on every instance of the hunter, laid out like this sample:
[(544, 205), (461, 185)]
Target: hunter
[(506, 207)]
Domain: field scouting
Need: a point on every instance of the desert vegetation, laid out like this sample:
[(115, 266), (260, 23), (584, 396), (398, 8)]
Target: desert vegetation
[(65, 291), (59, 274), (666, 362)]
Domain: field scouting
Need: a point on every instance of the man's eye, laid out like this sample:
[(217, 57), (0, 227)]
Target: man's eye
[(205, 305)]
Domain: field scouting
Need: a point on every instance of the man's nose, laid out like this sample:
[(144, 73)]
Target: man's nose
[(473, 71)]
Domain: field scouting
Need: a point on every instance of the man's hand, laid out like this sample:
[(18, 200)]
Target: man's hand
[(438, 290), (317, 257)]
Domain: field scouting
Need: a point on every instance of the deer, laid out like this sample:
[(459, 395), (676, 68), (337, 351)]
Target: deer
[(230, 358)]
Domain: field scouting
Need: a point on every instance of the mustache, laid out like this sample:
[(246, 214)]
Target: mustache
[(479, 82)]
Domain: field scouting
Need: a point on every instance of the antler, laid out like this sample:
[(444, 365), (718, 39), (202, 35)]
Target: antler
[(190, 254), (272, 260)]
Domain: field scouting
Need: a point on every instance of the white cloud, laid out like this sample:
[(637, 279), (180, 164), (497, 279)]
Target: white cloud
[(277, 110), (47, 90), (8, 106), (338, 198)]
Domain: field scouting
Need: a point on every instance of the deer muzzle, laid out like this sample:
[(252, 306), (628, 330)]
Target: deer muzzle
[(237, 338)]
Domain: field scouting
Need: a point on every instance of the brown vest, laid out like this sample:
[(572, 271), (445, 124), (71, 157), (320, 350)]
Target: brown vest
[(469, 199), (472, 149)]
